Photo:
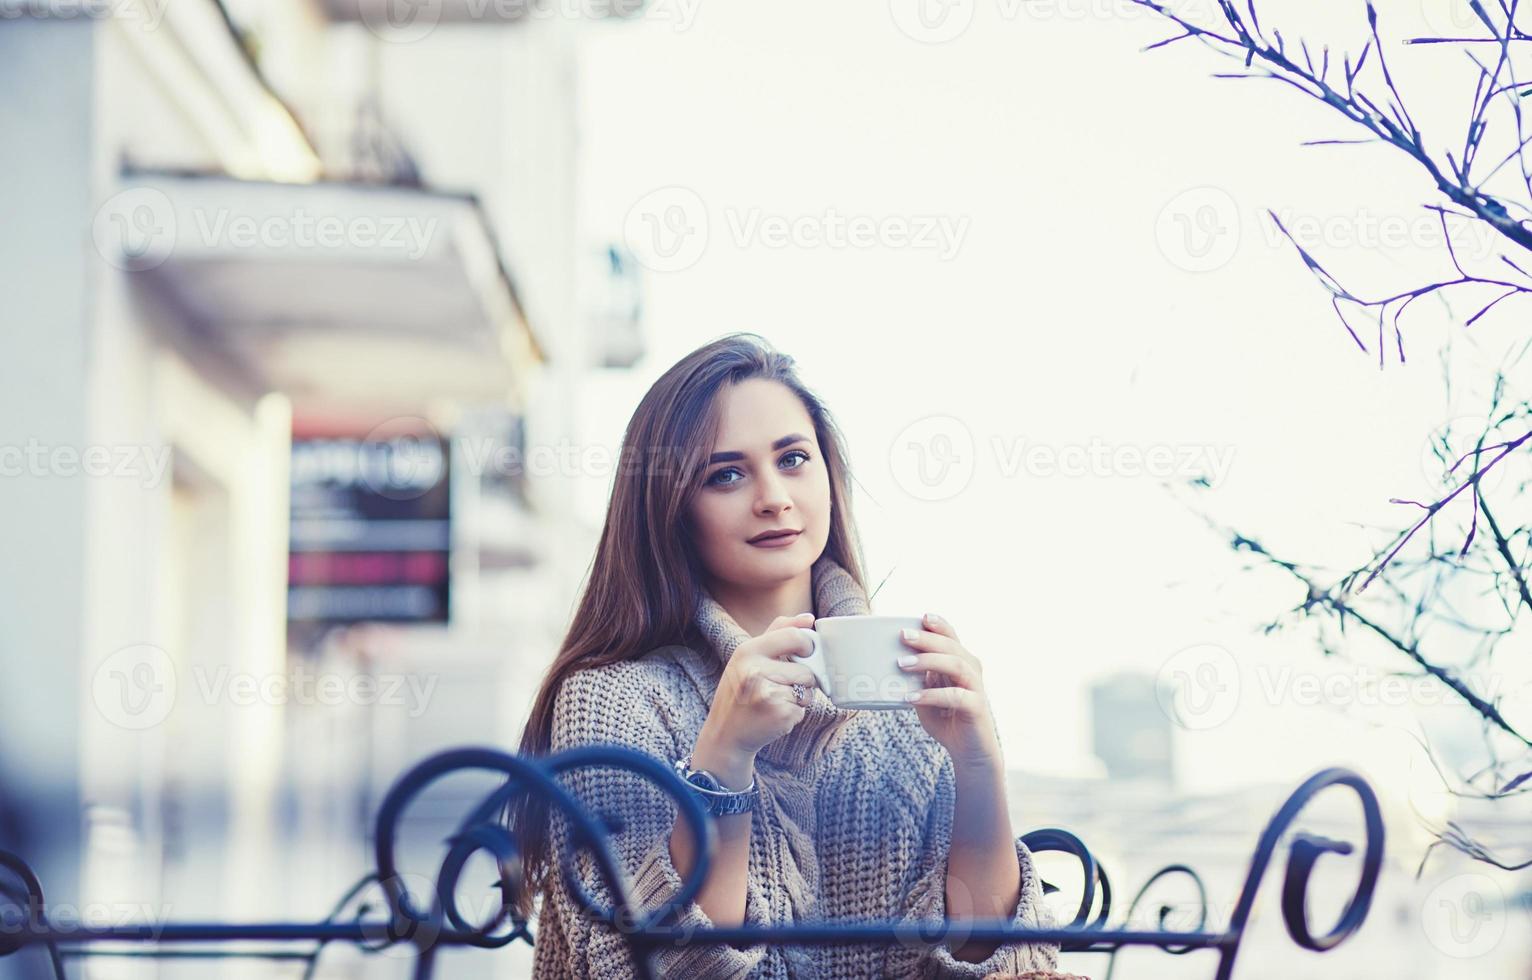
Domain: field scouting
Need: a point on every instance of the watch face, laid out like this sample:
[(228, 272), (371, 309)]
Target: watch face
[(717, 799)]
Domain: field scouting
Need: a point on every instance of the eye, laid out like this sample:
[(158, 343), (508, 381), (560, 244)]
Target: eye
[(714, 481)]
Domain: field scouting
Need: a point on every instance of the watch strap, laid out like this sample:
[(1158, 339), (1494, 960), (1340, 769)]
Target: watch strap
[(717, 799)]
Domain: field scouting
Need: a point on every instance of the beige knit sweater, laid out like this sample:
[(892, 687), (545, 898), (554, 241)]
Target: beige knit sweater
[(854, 821)]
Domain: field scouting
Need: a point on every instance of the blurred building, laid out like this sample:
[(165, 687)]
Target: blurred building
[(1130, 732), (230, 229)]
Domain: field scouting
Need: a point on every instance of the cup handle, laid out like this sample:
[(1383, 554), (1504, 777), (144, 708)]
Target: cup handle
[(815, 661)]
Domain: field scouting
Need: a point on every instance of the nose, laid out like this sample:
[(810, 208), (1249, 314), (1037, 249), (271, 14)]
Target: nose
[(773, 496)]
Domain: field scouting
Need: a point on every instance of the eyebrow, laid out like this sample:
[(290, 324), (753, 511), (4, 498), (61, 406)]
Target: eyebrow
[(786, 440)]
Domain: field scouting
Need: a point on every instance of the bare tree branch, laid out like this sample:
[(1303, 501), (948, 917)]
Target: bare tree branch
[(1395, 126)]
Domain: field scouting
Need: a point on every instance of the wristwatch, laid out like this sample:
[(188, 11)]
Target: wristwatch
[(717, 800)]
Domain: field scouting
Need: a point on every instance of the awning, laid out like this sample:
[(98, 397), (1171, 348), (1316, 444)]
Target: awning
[(338, 294)]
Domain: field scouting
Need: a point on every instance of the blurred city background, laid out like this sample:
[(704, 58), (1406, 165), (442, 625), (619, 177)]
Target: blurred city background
[(322, 320)]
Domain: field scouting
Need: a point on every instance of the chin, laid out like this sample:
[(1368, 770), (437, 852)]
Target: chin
[(781, 562)]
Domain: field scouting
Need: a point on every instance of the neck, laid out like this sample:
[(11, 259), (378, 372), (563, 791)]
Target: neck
[(754, 608)]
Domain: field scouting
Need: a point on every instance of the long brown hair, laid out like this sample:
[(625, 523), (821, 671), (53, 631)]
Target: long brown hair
[(644, 582)]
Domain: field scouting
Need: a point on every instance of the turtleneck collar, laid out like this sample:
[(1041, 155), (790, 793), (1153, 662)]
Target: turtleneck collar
[(836, 593)]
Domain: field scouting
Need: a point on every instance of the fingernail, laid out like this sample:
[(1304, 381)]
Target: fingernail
[(908, 634), (912, 696), (908, 660), (933, 618)]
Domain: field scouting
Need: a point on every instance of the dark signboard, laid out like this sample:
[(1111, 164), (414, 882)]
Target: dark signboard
[(370, 533)]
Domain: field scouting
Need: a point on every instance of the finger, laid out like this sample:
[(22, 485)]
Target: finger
[(802, 619), (789, 673), (778, 644), (937, 624), (957, 699), (763, 689), (925, 640), (954, 668), (783, 693)]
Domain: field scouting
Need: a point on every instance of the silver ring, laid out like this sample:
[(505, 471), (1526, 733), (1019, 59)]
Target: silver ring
[(799, 692)]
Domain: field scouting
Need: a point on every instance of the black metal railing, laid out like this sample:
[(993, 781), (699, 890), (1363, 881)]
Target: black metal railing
[(428, 924)]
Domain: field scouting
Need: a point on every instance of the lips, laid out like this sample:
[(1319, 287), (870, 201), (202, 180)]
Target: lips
[(774, 537)]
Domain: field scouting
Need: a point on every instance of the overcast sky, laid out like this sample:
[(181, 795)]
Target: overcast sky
[(1020, 245)]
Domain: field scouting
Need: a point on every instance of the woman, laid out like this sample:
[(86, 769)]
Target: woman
[(680, 648)]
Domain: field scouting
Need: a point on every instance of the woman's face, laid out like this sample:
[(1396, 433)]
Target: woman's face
[(766, 472)]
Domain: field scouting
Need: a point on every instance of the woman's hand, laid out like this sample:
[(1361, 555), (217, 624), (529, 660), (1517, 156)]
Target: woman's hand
[(754, 704), (953, 707)]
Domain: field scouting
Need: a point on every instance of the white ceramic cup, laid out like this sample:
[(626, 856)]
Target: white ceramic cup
[(855, 661)]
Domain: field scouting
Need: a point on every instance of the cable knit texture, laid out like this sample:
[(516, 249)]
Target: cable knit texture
[(854, 821)]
